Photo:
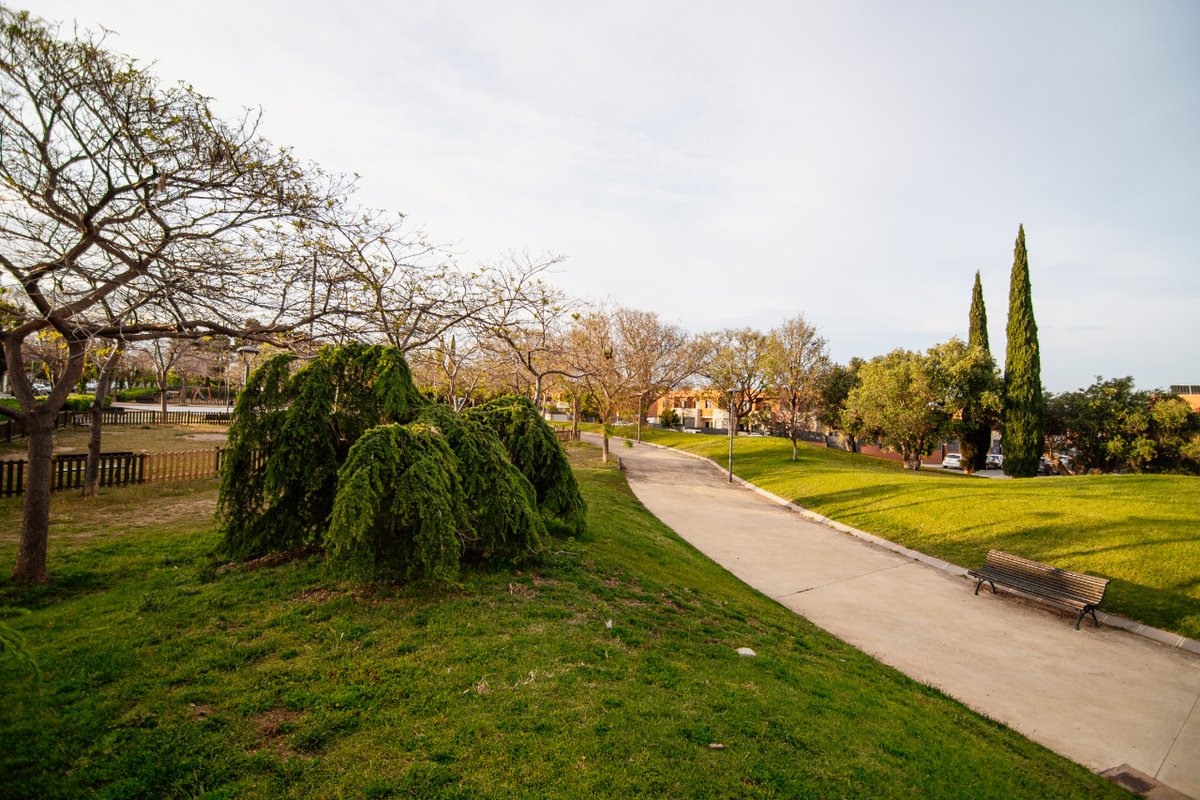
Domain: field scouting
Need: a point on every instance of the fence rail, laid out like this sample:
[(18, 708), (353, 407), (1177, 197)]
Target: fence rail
[(120, 416), (9, 429), (117, 469)]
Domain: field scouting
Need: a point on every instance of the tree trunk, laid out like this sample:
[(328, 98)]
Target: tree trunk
[(162, 399), (91, 473), (35, 523), (575, 417), (604, 448), (793, 447)]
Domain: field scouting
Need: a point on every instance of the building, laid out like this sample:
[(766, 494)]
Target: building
[(698, 409), (1189, 392)]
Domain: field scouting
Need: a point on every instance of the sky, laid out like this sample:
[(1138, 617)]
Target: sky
[(729, 165)]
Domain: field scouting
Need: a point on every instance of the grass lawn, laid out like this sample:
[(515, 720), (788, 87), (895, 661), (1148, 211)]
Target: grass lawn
[(138, 438), (166, 675), (1142, 531)]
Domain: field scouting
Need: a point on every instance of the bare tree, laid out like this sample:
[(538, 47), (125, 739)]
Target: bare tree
[(603, 357), (108, 365), (737, 360), (798, 357), (660, 356), (529, 323), (128, 211)]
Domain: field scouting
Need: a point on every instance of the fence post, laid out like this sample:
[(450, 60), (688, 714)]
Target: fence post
[(141, 468)]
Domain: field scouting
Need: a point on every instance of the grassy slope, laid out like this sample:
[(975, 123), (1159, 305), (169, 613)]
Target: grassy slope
[(164, 677), (1141, 531)]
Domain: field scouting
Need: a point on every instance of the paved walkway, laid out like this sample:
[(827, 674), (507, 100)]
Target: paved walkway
[(1101, 697)]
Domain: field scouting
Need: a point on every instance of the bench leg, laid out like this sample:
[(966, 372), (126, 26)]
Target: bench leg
[(1089, 610), (981, 580)]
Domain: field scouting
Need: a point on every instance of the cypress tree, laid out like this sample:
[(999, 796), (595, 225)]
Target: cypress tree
[(976, 428), (1023, 401)]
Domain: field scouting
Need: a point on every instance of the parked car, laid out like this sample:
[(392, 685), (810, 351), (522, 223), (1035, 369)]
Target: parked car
[(688, 430), (1046, 467), (994, 461), (952, 461)]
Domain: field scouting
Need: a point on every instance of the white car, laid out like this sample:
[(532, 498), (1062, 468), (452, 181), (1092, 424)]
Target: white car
[(994, 461), (952, 461)]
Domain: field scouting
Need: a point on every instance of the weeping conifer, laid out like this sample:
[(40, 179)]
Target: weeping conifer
[(400, 507), (344, 454), (291, 433), (502, 511), (976, 426), (535, 451), (1023, 436)]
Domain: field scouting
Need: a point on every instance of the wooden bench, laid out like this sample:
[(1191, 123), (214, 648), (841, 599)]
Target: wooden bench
[(1074, 589)]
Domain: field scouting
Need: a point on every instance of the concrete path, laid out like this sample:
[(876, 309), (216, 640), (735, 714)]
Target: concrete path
[(1101, 697)]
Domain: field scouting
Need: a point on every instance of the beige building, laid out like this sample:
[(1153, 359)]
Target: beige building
[(1189, 392), (698, 409)]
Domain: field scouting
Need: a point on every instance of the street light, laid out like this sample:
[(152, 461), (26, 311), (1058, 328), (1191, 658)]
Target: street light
[(248, 352), (731, 429)]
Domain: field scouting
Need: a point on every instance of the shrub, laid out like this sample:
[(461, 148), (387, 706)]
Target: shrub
[(535, 450), (346, 455)]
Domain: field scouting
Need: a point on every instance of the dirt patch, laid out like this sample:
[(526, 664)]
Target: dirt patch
[(206, 437), (314, 596), (272, 728), (269, 560), (199, 711), (162, 510)]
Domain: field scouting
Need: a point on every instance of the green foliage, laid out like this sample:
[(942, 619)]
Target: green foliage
[(833, 388), (535, 451), (1023, 402), (300, 428), (897, 402), (668, 418), (400, 507), (1110, 426), (138, 395), (75, 403), (975, 424), (345, 454), (502, 510)]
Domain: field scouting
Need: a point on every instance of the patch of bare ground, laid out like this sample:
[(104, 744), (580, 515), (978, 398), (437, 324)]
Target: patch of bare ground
[(272, 728), (206, 437), (162, 510), (317, 595), (199, 711), (269, 560)]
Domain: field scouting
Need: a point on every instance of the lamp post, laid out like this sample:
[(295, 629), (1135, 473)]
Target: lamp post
[(248, 352), (732, 425)]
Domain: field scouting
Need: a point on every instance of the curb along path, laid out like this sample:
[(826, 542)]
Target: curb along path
[(1101, 697)]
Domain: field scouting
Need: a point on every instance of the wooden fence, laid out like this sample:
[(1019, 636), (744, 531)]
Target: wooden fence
[(120, 416), (117, 469), (9, 429)]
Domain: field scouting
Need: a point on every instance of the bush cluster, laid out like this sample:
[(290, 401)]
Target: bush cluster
[(344, 454)]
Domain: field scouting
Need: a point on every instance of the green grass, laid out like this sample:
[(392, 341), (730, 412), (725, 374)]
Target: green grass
[(1142, 531), (165, 675)]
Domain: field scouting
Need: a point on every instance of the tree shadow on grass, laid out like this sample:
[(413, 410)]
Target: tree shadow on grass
[(67, 584)]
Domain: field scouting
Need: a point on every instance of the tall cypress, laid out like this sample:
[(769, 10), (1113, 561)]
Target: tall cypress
[(976, 436), (1024, 431)]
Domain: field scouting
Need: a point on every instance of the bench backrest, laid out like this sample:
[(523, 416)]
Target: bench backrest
[(1087, 588)]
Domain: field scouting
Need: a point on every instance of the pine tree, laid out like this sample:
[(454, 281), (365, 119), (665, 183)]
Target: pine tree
[(976, 424), (1023, 401)]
